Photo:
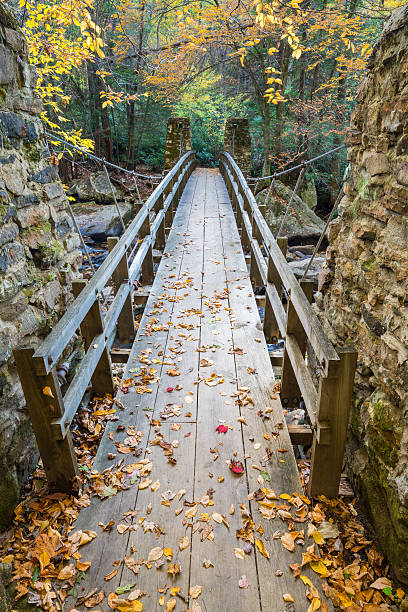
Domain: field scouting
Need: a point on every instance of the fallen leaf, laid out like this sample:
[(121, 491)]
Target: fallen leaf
[(288, 542), (243, 582), (221, 429), (217, 517), (47, 391), (380, 583), (288, 597), (155, 554), (236, 467), (94, 600), (261, 547), (171, 604), (111, 575), (184, 543), (195, 591), (239, 553)]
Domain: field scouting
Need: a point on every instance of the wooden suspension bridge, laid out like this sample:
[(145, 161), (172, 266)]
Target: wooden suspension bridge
[(205, 480)]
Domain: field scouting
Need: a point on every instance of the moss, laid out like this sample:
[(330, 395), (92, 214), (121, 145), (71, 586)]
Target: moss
[(369, 265), (28, 292), (32, 153), (3, 94), (361, 187), (9, 494), (382, 445)]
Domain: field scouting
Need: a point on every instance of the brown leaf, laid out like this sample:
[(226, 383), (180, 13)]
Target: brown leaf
[(94, 600)]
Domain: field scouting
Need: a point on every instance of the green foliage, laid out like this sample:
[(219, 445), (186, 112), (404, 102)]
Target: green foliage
[(206, 105)]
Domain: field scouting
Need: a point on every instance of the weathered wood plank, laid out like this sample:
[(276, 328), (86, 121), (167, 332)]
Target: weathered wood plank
[(281, 467)]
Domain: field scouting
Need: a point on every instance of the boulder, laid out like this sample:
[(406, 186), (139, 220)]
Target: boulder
[(301, 222), (95, 187), (99, 222), (298, 268), (308, 193)]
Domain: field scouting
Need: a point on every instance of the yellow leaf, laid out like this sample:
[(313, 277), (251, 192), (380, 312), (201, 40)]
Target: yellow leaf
[(130, 606), (261, 547), (288, 597), (319, 567), (315, 605), (47, 391), (171, 604), (161, 600), (239, 553), (318, 538), (168, 552), (305, 580)]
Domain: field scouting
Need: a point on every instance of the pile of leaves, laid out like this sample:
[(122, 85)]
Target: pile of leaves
[(40, 546)]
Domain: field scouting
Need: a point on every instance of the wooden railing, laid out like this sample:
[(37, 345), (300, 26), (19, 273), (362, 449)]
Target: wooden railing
[(130, 257), (312, 368)]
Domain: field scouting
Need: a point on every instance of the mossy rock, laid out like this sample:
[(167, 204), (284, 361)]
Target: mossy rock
[(9, 494), (389, 519)]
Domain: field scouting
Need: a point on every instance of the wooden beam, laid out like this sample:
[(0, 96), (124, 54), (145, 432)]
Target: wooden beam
[(120, 355), (292, 372), (44, 402), (126, 318), (334, 403), (91, 327), (300, 434)]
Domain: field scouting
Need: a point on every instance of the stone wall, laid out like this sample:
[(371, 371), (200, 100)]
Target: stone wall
[(178, 140), (38, 251), (237, 141), (364, 291)]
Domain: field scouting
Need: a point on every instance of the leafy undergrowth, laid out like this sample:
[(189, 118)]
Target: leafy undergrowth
[(356, 574), (39, 544)]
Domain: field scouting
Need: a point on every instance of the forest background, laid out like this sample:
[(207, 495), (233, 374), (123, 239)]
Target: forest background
[(111, 72)]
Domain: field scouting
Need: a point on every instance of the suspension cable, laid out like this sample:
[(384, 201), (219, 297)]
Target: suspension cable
[(301, 165), (101, 159)]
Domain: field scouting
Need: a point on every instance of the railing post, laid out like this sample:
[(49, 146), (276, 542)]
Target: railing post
[(126, 319), (45, 403), (161, 231), (254, 272), (147, 275), (290, 392), (270, 325), (91, 326), (335, 393)]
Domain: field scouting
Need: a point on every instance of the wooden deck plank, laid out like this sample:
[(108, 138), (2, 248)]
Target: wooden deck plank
[(216, 407), (203, 246), (254, 371)]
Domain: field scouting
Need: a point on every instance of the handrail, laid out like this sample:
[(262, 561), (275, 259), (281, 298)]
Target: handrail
[(48, 353), (318, 339), (328, 405), (51, 413)]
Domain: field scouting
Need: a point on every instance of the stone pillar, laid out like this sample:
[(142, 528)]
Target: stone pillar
[(178, 140), (237, 142), (364, 289), (38, 251)]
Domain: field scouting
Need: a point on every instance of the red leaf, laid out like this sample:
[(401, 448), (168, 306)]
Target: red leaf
[(170, 389), (236, 467), (222, 429)]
